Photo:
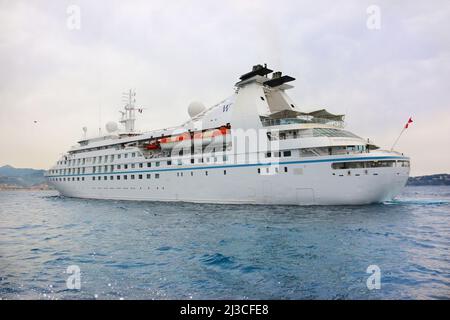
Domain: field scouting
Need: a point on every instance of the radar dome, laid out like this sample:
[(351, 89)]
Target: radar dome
[(195, 108), (111, 127)]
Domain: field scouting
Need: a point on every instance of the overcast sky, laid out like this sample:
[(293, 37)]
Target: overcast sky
[(174, 52)]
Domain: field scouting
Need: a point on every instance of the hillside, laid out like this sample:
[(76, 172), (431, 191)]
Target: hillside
[(21, 178), (431, 180)]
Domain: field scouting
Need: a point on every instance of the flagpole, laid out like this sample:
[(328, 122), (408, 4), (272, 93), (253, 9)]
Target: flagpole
[(398, 138)]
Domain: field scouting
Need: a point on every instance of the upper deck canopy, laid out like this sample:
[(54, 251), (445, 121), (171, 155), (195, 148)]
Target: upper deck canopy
[(322, 113)]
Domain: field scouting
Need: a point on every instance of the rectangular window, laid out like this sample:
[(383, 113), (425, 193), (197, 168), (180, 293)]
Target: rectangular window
[(149, 164), (224, 172), (268, 154), (156, 175), (118, 166), (105, 177), (119, 156), (169, 162), (285, 169), (140, 176), (125, 166), (93, 178), (192, 160), (286, 153), (206, 173), (192, 173), (157, 163), (118, 177), (125, 177), (125, 155), (141, 165), (111, 178), (259, 170), (148, 175), (132, 177), (132, 166), (133, 154)]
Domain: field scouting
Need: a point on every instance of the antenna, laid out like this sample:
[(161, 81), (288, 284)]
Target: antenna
[(129, 115)]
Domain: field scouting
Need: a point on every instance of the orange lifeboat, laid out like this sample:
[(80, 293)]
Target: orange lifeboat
[(153, 146), (178, 140), (213, 136)]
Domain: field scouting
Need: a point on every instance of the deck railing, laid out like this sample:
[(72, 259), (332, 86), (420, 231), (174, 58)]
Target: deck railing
[(302, 120)]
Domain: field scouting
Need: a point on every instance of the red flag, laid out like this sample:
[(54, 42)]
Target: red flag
[(409, 121)]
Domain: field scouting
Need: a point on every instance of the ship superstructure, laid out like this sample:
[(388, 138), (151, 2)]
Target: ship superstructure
[(257, 146)]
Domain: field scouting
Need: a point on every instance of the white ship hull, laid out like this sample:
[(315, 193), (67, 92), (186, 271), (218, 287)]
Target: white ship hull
[(310, 183)]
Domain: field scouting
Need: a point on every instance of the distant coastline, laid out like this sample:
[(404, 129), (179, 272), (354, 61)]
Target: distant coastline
[(442, 179), (31, 179), (22, 179)]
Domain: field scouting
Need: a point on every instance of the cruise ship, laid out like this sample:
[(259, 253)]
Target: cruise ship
[(255, 147)]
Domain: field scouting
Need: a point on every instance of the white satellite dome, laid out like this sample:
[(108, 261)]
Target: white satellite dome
[(195, 108), (111, 127)]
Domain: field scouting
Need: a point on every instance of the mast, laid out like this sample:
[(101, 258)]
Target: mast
[(128, 116)]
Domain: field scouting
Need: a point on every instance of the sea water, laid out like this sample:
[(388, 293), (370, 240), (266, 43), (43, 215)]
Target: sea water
[(157, 250)]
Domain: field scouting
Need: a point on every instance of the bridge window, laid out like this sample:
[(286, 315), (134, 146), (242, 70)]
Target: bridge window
[(403, 163), (362, 164)]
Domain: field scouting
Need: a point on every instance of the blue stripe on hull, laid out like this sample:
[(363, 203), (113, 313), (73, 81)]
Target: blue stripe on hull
[(236, 166)]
